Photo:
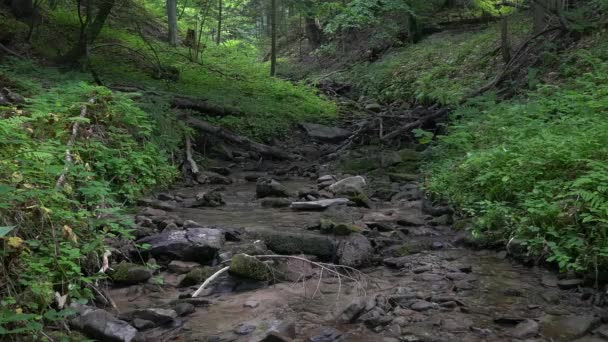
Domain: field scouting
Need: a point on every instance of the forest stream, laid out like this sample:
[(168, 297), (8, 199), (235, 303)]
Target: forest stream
[(418, 281)]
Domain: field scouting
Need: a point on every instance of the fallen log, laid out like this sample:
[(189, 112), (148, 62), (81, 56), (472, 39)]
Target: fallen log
[(203, 106), (220, 132), (415, 124)]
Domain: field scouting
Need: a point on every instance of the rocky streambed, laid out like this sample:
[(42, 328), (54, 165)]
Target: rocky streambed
[(408, 275)]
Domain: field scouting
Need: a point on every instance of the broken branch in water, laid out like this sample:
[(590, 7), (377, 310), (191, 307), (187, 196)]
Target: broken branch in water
[(209, 280)]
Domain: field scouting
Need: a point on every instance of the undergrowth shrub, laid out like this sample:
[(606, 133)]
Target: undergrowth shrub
[(535, 169), (52, 236)]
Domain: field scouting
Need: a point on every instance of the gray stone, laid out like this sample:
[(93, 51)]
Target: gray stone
[(181, 267), (193, 244), (209, 199), (101, 325), (318, 205), (566, 284), (325, 133), (549, 280), (183, 309), (458, 324), (326, 334), (209, 177), (156, 315), (266, 187), (252, 304), (398, 262), (355, 251), (142, 324), (602, 331), (567, 328), (422, 305), (244, 329), (296, 243), (351, 186), (152, 212), (526, 329), (352, 311)]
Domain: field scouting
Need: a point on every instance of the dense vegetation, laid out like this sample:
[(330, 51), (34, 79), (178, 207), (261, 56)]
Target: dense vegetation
[(525, 161)]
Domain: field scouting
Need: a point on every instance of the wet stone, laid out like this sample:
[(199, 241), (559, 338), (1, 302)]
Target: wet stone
[(431, 277), (568, 327), (549, 280), (244, 329), (456, 276), (602, 331), (142, 324), (567, 284), (183, 309), (252, 304), (422, 305), (326, 334), (422, 269), (526, 329)]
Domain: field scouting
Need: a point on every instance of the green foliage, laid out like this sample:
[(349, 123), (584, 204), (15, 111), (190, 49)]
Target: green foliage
[(535, 169), (60, 230), (442, 68)]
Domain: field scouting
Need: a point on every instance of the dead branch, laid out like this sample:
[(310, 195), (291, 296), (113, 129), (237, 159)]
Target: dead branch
[(203, 106), (209, 280), (193, 166), (68, 154), (420, 122), (220, 132), (9, 51)]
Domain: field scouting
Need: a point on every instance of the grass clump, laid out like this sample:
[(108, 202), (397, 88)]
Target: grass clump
[(535, 169)]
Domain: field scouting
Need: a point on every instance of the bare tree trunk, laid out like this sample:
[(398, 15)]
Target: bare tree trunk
[(89, 29), (505, 44), (172, 19), (538, 14), (313, 32), (273, 53), (219, 23)]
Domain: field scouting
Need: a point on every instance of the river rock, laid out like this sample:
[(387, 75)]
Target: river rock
[(209, 177), (566, 284), (130, 274), (101, 325), (351, 186), (196, 276), (193, 244), (244, 329), (297, 243), (184, 309), (152, 212), (398, 262), (327, 226), (526, 329), (266, 187), (568, 328), (249, 267), (355, 251), (142, 324), (325, 133), (352, 311), (326, 334), (318, 205), (156, 315), (422, 305), (209, 199)]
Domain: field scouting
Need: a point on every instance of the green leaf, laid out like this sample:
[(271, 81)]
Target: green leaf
[(5, 230)]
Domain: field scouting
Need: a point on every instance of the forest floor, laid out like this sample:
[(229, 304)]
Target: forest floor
[(419, 281)]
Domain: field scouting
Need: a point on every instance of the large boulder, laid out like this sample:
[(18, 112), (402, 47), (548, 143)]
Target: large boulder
[(325, 133), (298, 243), (355, 251), (193, 244), (266, 187), (351, 186), (100, 325)]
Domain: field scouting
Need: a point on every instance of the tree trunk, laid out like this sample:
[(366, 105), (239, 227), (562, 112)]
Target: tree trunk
[(219, 23), (313, 32), (505, 44), (90, 30), (172, 19), (22, 8), (273, 53), (538, 14)]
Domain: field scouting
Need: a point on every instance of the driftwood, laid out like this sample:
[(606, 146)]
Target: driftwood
[(68, 153), (193, 166), (265, 150), (203, 106)]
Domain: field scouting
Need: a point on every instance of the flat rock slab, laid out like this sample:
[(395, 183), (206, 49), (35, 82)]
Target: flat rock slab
[(318, 205), (568, 328), (193, 244), (101, 325), (325, 133)]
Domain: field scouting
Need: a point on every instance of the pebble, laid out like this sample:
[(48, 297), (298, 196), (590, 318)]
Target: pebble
[(422, 305), (251, 304)]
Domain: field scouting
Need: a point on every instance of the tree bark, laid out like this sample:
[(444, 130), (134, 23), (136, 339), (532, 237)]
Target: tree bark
[(262, 149), (172, 20), (313, 32), (273, 53), (505, 44), (219, 22), (90, 29)]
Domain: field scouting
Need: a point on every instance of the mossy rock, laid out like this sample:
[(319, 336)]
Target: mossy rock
[(409, 155), (329, 227), (361, 200), (411, 167), (130, 274), (402, 177), (249, 267), (196, 276), (357, 165), (296, 243)]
